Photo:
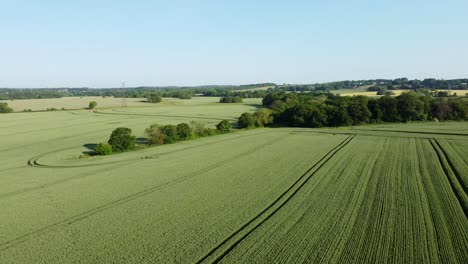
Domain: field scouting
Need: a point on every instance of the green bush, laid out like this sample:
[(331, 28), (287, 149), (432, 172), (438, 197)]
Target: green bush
[(184, 131), (153, 98), (155, 135), (122, 139), (207, 132), (4, 108), (246, 120), (170, 132), (92, 105), (103, 149), (224, 126), (197, 128)]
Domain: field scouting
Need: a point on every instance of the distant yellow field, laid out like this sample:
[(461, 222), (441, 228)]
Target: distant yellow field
[(264, 88), (350, 92), (458, 92)]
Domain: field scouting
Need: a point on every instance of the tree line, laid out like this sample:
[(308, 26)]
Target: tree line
[(183, 92), (243, 91), (309, 110), (388, 84)]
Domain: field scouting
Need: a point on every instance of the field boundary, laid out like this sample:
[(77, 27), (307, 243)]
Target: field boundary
[(288, 194), (78, 217)]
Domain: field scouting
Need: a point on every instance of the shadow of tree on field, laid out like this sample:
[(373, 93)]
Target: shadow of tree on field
[(255, 105), (90, 147), (141, 141)]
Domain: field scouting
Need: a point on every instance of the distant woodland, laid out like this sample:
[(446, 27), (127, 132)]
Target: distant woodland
[(259, 90)]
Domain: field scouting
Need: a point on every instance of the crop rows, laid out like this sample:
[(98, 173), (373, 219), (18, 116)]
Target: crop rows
[(371, 205), (384, 193), (194, 210), (228, 244)]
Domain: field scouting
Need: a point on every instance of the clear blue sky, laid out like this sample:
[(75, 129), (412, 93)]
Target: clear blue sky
[(103, 43)]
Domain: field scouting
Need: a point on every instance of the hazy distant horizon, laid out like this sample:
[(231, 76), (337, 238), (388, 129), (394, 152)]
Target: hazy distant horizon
[(187, 43)]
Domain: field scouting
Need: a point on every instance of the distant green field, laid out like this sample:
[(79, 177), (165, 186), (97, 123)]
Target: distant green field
[(394, 193), (105, 102)]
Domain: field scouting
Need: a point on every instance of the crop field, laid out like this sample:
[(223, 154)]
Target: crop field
[(392, 193), (74, 103)]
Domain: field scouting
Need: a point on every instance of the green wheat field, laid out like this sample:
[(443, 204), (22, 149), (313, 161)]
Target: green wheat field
[(392, 193)]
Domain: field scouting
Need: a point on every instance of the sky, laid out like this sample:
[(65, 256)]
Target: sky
[(157, 43)]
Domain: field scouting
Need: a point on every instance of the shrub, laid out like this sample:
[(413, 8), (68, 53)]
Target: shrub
[(224, 126), (122, 139), (184, 131), (4, 108), (197, 128), (153, 98), (246, 120), (103, 149), (170, 133), (92, 105), (155, 135), (207, 132), (263, 117)]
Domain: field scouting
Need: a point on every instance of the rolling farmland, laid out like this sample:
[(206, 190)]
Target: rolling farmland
[(393, 193)]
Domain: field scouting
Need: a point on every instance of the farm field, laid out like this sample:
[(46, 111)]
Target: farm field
[(74, 103), (392, 193), (363, 91)]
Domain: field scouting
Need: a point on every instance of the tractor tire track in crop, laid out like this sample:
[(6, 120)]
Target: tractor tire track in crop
[(229, 243), (33, 162), (414, 132), (452, 176), (76, 218), (429, 136)]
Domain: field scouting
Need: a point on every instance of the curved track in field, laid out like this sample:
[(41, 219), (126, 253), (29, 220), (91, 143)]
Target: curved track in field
[(229, 243), (34, 161), (81, 216), (91, 173)]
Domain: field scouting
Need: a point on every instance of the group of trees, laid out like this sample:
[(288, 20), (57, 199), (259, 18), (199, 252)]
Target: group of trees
[(231, 99), (168, 134), (122, 139), (377, 84), (4, 108), (261, 118), (308, 110)]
